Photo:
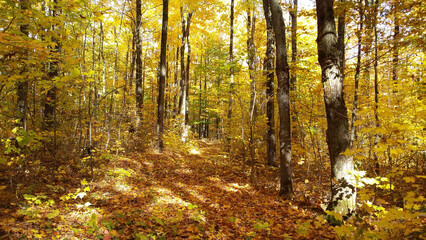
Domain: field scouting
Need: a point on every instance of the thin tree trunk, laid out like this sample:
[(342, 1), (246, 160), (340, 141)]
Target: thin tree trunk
[(188, 61), (282, 71), (251, 24), (357, 72), (138, 38), (231, 75), (343, 191), (269, 70), (162, 77), (376, 89)]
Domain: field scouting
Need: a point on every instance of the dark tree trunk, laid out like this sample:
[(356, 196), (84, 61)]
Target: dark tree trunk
[(395, 55), (269, 69), (22, 85), (188, 62), (376, 88), (282, 71), (138, 42), (329, 56), (50, 103), (162, 77), (231, 60), (251, 24)]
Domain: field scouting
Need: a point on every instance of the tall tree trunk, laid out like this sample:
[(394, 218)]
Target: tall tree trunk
[(188, 61), (282, 71), (138, 42), (395, 55), (231, 75), (376, 88), (182, 63), (22, 85), (50, 103), (162, 77), (251, 24), (269, 69), (329, 56), (357, 72)]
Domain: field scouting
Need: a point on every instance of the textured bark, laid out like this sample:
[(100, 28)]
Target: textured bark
[(376, 88), (22, 85), (269, 67), (395, 54), (188, 62), (50, 103), (138, 43), (182, 96), (251, 24), (184, 77), (283, 89), (162, 77), (329, 56)]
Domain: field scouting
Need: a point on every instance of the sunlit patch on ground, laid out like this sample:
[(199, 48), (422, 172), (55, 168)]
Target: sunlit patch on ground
[(184, 171), (194, 151), (165, 196)]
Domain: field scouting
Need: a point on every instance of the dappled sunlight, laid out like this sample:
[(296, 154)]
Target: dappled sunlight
[(121, 186), (186, 171), (194, 151), (193, 191), (165, 196)]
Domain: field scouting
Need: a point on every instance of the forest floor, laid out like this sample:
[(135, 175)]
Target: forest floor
[(202, 194)]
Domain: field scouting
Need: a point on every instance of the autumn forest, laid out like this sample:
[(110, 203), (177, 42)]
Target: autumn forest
[(212, 119)]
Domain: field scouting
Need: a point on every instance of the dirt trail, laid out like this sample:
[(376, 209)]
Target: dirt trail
[(206, 195)]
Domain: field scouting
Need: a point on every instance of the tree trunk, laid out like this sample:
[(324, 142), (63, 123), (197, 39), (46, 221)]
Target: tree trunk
[(231, 76), (162, 77), (22, 85), (269, 69), (138, 42), (188, 61), (357, 72), (329, 56), (282, 71), (50, 103), (376, 88), (251, 24)]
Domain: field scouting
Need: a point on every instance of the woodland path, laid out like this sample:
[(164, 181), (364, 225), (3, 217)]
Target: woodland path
[(200, 194), (204, 195)]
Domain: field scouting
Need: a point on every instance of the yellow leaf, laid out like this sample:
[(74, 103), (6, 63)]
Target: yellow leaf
[(410, 179), (83, 182), (2, 187)]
